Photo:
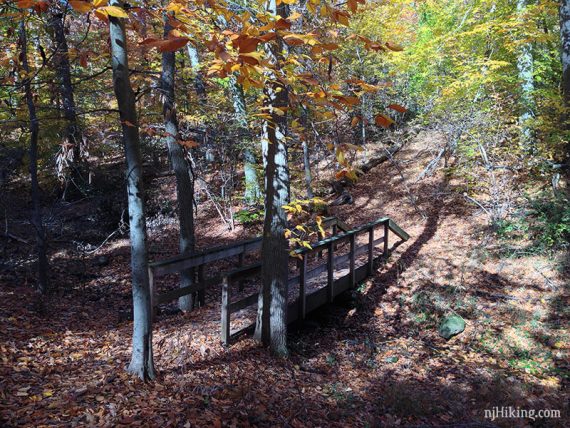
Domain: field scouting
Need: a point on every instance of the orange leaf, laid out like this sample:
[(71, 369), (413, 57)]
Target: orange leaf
[(398, 108), (291, 40), (172, 45), (349, 101), (341, 174), (41, 6), (383, 121), (352, 5), (329, 46), (355, 121), (81, 6), (268, 36), (83, 59), (24, 4), (282, 24), (168, 45), (247, 44), (189, 144)]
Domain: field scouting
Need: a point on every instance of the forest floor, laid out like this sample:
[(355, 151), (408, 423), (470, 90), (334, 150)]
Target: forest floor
[(371, 359)]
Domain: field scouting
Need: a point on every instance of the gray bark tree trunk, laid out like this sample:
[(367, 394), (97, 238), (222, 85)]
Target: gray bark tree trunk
[(525, 67), (252, 190), (73, 135), (199, 77), (565, 49), (307, 156), (565, 58), (141, 359), (307, 167), (271, 327), (37, 217), (184, 181)]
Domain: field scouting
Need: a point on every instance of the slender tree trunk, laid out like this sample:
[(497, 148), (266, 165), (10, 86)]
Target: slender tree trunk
[(199, 77), (565, 50), (73, 135), (307, 156), (275, 256), (184, 182), (565, 59), (525, 67), (142, 359), (307, 167), (37, 218), (252, 190)]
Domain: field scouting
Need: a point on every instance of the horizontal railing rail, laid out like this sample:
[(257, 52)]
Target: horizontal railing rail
[(200, 259)]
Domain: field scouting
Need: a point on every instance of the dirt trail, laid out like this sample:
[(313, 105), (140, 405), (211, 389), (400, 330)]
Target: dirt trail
[(374, 361)]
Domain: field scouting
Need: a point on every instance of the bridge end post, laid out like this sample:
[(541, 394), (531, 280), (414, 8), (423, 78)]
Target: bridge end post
[(352, 272), (302, 286), (330, 272), (202, 291), (370, 250), (225, 311), (386, 231)]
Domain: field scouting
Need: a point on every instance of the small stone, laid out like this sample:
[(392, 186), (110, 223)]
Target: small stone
[(451, 326)]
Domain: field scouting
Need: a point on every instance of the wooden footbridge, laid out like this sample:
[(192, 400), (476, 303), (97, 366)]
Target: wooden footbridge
[(316, 278)]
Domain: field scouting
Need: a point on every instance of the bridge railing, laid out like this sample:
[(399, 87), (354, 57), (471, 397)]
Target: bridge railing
[(306, 302), (200, 260)]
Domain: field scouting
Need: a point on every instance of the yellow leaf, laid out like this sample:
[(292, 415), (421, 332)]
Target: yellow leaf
[(394, 47), (114, 11)]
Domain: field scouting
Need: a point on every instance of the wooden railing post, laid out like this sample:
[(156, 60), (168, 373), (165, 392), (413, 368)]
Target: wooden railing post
[(240, 264), (201, 292), (334, 232), (302, 286), (386, 230), (370, 250), (225, 311), (352, 256), (330, 272)]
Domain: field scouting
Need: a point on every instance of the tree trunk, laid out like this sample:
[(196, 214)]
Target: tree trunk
[(525, 67), (274, 271), (307, 155), (565, 59), (141, 360), (73, 135), (565, 54), (184, 182), (37, 218), (252, 190), (307, 167), (199, 77)]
